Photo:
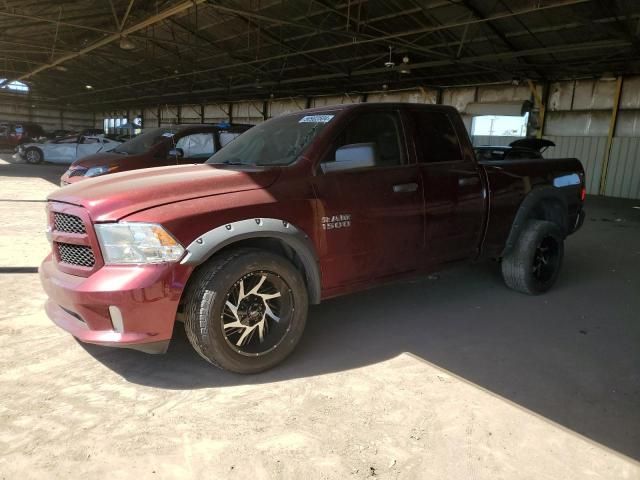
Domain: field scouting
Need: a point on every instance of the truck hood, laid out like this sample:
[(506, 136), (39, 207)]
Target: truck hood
[(112, 197)]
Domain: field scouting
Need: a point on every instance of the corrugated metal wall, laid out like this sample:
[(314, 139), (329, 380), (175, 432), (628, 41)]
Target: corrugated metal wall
[(623, 177), (16, 108), (589, 150), (578, 120)]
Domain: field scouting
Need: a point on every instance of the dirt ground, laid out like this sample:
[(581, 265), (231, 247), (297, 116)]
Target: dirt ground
[(452, 377)]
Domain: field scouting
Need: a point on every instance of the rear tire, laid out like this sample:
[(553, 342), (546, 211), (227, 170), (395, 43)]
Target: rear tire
[(532, 267), (245, 310), (33, 156)]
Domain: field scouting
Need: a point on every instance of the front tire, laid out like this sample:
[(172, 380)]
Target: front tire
[(245, 310), (532, 267), (33, 156)]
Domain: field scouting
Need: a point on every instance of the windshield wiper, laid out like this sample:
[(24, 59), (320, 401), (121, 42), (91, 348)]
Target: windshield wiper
[(233, 161)]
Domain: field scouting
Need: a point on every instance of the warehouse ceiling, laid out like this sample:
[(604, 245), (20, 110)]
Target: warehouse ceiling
[(114, 53)]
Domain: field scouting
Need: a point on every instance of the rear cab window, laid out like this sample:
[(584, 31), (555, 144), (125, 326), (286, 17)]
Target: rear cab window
[(435, 136)]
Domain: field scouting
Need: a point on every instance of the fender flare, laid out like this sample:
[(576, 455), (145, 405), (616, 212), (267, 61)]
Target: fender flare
[(531, 201), (207, 244)]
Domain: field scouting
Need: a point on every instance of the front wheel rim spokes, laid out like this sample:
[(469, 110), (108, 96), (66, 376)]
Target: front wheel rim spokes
[(256, 313)]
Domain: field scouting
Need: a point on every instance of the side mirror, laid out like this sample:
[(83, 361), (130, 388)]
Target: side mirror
[(176, 153), (349, 157)]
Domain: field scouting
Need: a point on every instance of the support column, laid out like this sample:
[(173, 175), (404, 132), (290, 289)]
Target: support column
[(540, 104), (612, 131)]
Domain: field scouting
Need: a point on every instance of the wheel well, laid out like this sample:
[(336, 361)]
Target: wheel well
[(539, 205), (551, 210), (273, 245), (279, 247)]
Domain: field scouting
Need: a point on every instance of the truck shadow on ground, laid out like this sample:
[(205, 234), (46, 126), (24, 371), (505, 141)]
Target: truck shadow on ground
[(560, 355), (18, 168)]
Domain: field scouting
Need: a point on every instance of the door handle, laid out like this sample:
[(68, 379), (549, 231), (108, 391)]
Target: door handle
[(405, 187), (466, 181)]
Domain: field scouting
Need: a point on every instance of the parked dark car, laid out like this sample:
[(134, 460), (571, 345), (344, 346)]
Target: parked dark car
[(60, 133), (521, 149), (299, 209), (14, 134), (92, 132), (175, 145)]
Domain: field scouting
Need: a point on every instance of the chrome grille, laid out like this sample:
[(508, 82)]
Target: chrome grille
[(68, 223), (76, 254)]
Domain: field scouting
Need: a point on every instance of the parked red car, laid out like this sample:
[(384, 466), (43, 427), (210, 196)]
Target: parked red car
[(14, 134), (175, 145), (301, 208)]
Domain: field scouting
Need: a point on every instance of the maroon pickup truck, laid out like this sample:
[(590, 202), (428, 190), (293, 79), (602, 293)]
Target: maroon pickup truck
[(301, 208)]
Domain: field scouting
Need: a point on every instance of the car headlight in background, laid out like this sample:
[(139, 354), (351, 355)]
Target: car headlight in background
[(127, 243), (96, 171)]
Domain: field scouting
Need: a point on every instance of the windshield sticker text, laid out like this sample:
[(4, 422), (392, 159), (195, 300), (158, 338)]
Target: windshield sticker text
[(336, 221), (315, 119)]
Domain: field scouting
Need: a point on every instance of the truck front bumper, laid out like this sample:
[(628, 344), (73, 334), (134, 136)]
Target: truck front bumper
[(119, 306)]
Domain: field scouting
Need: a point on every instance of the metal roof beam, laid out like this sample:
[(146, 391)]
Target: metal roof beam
[(181, 7), (374, 71), (385, 38)]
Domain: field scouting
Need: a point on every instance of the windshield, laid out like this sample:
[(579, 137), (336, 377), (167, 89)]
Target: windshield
[(278, 141), (143, 142)]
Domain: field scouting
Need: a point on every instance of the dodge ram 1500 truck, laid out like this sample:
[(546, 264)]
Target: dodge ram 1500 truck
[(301, 208)]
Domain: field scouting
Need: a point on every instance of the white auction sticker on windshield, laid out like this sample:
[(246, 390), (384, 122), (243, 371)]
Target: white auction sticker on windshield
[(316, 119), (167, 134)]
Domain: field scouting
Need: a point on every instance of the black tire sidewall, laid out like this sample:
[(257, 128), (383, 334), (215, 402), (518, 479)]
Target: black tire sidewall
[(214, 346), (534, 235), (40, 156)]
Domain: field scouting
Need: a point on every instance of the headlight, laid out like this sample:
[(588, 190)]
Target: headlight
[(126, 243), (96, 171)]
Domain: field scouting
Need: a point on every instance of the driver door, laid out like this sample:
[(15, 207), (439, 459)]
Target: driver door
[(371, 218)]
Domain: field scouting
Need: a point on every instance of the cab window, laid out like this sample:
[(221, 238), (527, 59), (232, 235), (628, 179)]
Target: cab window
[(68, 140), (436, 138), (382, 129), (228, 137), (197, 145)]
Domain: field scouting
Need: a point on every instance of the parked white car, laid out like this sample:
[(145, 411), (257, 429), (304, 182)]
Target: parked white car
[(65, 150)]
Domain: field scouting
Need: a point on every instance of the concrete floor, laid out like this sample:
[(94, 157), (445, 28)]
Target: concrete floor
[(454, 378)]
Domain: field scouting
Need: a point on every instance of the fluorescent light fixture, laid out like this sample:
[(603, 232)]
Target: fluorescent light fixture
[(126, 44)]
